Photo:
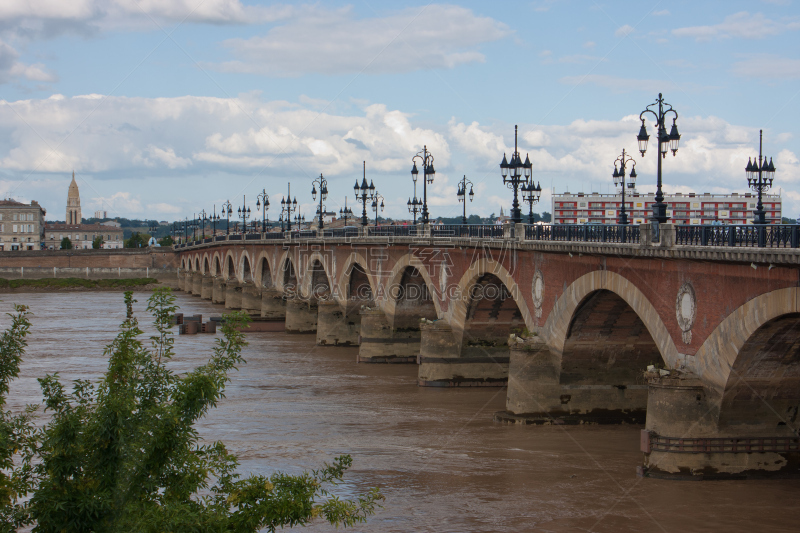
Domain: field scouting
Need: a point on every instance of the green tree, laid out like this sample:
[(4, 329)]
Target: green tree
[(137, 240), (97, 242), (66, 244), (122, 454), (166, 241)]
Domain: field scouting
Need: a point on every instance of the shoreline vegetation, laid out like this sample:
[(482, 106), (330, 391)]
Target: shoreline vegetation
[(75, 284)]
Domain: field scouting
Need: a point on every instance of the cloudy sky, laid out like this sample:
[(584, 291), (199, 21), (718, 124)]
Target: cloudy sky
[(166, 107)]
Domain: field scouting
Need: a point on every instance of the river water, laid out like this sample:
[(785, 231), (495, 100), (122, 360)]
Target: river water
[(441, 462)]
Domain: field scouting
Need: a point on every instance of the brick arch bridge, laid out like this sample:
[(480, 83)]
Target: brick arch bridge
[(718, 324)]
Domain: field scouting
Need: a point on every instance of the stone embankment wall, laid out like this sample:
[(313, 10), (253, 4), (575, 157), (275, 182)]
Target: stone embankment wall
[(159, 263)]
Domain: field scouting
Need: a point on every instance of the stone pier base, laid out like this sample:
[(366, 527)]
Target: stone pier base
[(218, 290), (536, 395), (379, 343), (197, 284), (181, 276), (251, 299), (301, 316), (441, 363), (233, 294), (333, 326), (207, 287), (273, 304)]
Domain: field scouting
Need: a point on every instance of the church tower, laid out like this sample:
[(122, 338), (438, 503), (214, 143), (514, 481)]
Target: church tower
[(73, 203)]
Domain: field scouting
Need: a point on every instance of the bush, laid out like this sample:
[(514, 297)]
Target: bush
[(66, 244), (122, 454), (97, 242)]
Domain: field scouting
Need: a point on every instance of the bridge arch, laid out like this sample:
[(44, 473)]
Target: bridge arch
[(556, 330), (402, 305), (196, 264), (286, 276), (229, 272), (317, 282), (245, 269), (463, 299), (216, 269), (263, 273), (206, 267), (716, 359)]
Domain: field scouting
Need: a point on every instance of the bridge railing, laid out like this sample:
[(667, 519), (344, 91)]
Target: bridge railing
[(340, 233), (610, 233), (472, 231), (760, 236), (392, 231)]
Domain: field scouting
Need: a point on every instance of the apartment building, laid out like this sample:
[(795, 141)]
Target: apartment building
[(21, 225), (691, 208)]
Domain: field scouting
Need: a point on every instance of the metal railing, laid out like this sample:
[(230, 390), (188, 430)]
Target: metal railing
[(471, 231), (340, 233), (274, 236), (760, 236), (610, 233), (235, 237), (724, 444), (392, 231), (252, 237)]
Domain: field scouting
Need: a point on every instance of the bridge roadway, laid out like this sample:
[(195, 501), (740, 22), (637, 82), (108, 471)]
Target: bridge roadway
[(698, 340)]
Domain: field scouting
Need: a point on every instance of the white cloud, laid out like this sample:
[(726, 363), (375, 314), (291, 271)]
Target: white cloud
[(11, 69), (163, 208), (767, 66), (624, 31), (742, 25), (661, 13), (119, 202), (336, 42), (482, 142), (589, 44)]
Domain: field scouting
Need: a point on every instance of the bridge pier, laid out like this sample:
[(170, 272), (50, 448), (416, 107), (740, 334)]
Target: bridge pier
[(251, 298), (206, 287), (539, 394), (273, 304), (233, 294), (380, 343), (301, 315), (684, 438), (181, 277), (442, 363), (197, 284), (218, 290), (333, 326)]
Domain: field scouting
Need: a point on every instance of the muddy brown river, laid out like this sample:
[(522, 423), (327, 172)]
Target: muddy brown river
[(441, 462)]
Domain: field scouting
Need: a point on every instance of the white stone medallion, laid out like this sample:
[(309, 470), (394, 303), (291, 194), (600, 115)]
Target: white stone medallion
[(685, 310), (537, 291)]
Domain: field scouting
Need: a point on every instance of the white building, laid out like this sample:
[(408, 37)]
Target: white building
[(21, 225), (690, 208)]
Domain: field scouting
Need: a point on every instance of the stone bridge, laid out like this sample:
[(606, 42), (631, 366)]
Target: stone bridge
[(699, 342)]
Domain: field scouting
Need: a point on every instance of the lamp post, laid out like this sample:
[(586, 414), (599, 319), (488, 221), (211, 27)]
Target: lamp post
[(515, 173), (375, 205), (428, 173), (323, 195), (227, 210), (759, 178), (214, 220), (299, 219), (619, 180), (186, 229), (666, 141), (462, 196), (530, 195), (288, 206), (194, 226), (204, 219), (344, 213), (244, 213), (262, 203), (367, 193)]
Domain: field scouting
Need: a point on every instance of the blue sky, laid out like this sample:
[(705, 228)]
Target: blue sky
[(167, 107)]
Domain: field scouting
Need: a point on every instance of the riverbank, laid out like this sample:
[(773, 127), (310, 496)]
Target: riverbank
[(76, 284)]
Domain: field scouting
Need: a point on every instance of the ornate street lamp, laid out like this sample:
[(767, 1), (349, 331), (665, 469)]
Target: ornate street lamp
[(262, 203), (227, 210), (462, 196), (759, 178), (299, 219), (619, 180), (363, 193), (194, 226), (530, 195), (323, 195), (666, 142), (214, 220), (244, 213), (345, 212), (428, 173), (375, 206), (515, 173), (204, 218), (288, 206)]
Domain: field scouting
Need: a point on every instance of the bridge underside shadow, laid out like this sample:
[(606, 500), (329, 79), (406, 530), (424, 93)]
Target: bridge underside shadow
[(598, 378)]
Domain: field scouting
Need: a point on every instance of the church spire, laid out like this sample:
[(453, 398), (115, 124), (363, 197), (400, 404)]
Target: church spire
[(73, 203)]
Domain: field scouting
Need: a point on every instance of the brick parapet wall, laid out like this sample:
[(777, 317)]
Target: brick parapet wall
[(158, 258)]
